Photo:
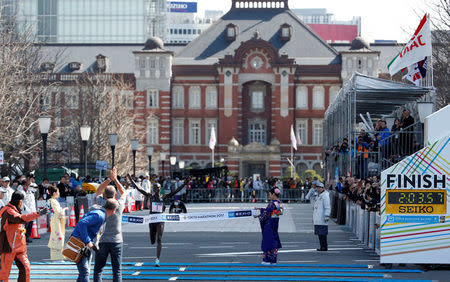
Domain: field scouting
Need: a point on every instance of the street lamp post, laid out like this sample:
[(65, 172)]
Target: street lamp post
[(173, 161), (44, 128), (134, 147), (149, 153), (112, 142), (85, 132), (163, 159), (181, 165)]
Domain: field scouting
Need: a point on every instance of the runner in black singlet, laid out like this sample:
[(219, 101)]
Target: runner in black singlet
[(156, 206)]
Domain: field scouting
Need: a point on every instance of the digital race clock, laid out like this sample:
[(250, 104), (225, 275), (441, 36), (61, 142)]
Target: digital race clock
[(416, 201)]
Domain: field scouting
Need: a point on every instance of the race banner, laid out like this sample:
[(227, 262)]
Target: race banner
[(189, 217), (415, 50)]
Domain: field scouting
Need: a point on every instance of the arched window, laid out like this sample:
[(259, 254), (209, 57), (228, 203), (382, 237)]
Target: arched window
[(318, 168), (152, 130)]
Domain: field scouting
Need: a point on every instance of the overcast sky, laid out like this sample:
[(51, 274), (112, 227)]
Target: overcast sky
[(381, 19)]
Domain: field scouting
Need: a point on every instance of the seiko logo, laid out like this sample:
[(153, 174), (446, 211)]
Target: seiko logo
[(415, 209)]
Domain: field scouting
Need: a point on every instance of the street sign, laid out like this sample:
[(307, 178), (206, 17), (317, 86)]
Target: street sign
[(101, 165), (1, 157)]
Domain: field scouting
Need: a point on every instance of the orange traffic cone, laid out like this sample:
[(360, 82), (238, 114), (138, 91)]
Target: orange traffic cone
[(72, 218), (127, 203), (80, 216), (133, 204), (34, 231)]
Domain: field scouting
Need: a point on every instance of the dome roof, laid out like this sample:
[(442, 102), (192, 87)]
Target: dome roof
[(359, 43), (154, 43)]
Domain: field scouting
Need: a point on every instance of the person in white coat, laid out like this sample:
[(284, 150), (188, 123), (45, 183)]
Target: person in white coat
[(321, 216)]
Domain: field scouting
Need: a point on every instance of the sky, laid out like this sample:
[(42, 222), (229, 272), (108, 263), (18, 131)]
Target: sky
[(380, 19)]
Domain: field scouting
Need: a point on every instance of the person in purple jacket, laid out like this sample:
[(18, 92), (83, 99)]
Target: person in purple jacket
[(86, 230)]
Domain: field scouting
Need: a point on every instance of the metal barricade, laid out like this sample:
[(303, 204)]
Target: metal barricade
[(377, 232), (372, 230)]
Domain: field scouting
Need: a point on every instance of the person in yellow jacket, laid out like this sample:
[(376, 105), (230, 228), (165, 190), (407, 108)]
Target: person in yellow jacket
[(57, 225)]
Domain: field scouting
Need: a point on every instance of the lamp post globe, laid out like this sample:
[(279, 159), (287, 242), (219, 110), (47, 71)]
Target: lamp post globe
[(112, 143), (44, 128), (134, 148), (85, 131)]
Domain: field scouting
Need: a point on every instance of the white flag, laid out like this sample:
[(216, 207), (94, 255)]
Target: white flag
[(293, 139), (212, 139), (416, 72), (415, 50)]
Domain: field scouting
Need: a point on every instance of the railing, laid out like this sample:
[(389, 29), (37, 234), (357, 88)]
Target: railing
[(382, 154), (362, 223)]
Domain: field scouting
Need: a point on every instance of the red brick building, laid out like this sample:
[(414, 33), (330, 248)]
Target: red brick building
[(254, 73)]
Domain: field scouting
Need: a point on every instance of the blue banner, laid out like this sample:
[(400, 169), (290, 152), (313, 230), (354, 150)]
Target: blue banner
[(182, 7), (414, 219)]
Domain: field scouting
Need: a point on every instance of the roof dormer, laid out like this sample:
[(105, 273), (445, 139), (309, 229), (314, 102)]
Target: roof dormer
[(100, 63), (74, 66), (231, 32), (285, 32)]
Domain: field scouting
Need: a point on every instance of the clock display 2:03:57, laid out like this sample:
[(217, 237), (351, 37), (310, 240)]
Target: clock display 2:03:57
[(436, 197)]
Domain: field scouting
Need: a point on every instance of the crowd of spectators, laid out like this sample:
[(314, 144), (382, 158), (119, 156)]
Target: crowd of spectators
[(392, 145), (364, 192)]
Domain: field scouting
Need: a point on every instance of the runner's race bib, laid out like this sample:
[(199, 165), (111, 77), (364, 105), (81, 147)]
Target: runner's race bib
[(157, 207)]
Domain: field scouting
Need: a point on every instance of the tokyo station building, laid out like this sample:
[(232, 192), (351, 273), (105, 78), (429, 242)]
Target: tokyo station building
[(252, 75)]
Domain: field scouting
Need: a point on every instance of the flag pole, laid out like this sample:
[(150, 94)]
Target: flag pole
[(292, 160), (212, 158)]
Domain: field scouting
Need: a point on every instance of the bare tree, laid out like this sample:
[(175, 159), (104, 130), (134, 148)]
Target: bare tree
[(441, 52), (106, 105), (21, 95)]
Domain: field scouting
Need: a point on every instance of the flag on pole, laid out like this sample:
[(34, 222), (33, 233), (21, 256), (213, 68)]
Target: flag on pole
[(416, 72), (293, 139), (212, 139), (299, 141), (415, 50)]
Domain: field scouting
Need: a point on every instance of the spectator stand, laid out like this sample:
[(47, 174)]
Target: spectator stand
[(347, 116)]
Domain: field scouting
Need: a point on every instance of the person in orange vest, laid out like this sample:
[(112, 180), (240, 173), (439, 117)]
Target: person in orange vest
[(363, 157), (13, 246)]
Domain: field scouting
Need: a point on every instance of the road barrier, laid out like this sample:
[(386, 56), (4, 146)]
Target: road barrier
[(364, 224)]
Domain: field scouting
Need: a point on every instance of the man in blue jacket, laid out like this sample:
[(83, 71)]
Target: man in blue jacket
[(86, 230)]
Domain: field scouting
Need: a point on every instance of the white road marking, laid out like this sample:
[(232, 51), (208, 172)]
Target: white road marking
[(136, 273), (173, 278), (281, 251), (139, 264), (182, 269)]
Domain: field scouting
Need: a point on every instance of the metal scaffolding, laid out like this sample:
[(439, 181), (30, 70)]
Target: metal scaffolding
[(382, 99)]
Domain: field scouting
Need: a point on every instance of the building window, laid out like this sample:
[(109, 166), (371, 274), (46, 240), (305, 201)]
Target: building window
[(302, 131), (178, 97), (334, 92), (127, 99), (285, 32), (71, 99), (162, 67), (46, 101), (152, 67), (211, 97), (231, 31), (257, 100), (318, 97), (194, 97), (302, 97), (178, 132), (142, 67), (209, 125), (317, 132), (194, 132), (257, 132), (152, 98), (152, 131)]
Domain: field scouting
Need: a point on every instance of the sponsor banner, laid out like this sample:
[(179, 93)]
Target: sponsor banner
[(183, 7), (188, 217), (415, 219)]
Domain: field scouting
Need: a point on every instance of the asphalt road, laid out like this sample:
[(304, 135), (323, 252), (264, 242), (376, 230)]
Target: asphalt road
[(234, 247)]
